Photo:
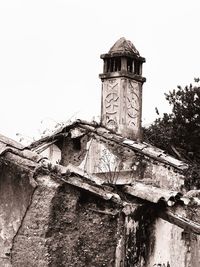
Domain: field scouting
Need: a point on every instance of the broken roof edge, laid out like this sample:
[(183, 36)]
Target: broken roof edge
[(95, 127), (60, 130)]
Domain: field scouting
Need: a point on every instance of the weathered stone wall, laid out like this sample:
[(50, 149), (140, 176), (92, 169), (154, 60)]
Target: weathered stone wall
[(80, 233), (66, 227)]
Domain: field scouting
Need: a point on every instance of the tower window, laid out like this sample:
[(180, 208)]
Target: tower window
[(137, 67), (108, 65), (112, 65), (129, 65), (117, 64)]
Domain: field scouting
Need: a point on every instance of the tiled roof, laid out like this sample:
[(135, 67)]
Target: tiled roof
[(123, 45), (104, 133)]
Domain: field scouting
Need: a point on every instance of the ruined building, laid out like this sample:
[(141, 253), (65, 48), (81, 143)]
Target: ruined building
[(96, 195)]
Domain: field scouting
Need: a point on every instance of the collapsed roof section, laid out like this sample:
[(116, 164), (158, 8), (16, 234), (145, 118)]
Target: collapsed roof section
[(19, 155)]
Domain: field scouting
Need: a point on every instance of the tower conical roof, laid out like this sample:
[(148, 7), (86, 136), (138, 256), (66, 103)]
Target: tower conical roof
[(123, 45)]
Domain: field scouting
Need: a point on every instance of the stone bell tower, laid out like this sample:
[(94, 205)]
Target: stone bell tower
[(122, 81)]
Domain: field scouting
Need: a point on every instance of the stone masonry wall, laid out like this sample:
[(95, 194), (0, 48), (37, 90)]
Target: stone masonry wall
[(64, 226), (80, 233)]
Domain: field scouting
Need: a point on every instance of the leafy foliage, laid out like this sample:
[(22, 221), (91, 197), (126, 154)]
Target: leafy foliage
[(179, 131)]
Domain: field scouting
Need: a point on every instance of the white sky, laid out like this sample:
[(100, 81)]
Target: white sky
[(49, 55)]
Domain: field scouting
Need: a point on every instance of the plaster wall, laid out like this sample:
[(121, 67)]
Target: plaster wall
[(116, 163), (174, 247), (122, 165), (170, 250), (15, 195), (29, 245)]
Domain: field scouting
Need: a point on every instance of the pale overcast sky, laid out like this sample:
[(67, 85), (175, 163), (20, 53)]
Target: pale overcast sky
[(49, 55)]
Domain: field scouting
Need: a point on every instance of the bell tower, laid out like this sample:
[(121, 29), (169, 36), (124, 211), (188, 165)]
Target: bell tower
[(121, 106)]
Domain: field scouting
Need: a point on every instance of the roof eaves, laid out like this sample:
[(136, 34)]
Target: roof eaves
[(153, 194), (10, 142)]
